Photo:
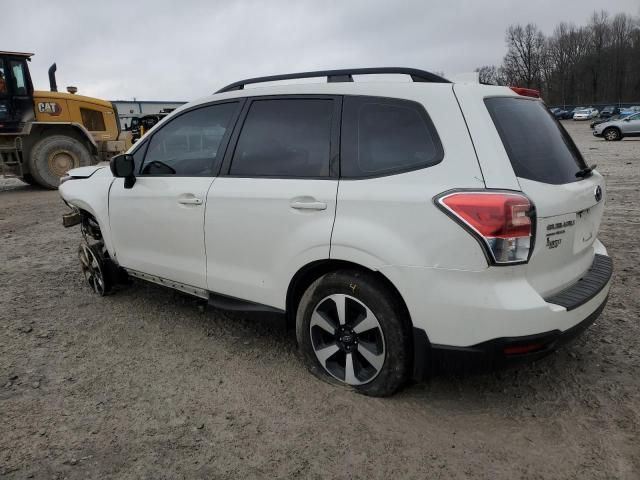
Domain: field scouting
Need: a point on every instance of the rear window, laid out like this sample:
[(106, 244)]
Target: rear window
[(383, 136), (538, 146)]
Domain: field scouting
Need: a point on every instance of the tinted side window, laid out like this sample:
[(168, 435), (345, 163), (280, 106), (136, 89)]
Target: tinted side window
[(538, 147), (189, 144), (285, 138), (138, 157), (382, 136)]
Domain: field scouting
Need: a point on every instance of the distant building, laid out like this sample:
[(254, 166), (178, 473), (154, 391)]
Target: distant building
[(128, 109)]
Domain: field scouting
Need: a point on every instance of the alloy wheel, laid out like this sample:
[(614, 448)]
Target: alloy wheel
[(92, 269), (611, 135), (347, 339)]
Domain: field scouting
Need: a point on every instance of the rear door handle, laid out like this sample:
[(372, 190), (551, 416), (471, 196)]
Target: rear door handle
[(190, 201), (308, 205)]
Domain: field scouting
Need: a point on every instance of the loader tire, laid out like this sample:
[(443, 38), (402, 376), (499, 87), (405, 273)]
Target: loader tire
[(28, 179), (53, 156)]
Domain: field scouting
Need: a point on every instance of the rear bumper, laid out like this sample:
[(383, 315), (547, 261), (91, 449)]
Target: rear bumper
[(497, 353), (587, 296)]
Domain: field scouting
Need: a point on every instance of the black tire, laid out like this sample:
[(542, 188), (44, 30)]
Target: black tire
[(368, 291), (28, 179), (612, 134), (53, 156)]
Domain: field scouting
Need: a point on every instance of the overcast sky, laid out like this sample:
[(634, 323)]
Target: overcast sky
[(181, 50)]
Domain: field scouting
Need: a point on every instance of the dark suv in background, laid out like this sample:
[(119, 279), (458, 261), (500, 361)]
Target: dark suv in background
[(609, 111)]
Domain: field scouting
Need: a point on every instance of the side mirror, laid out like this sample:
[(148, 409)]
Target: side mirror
[(123, 166)]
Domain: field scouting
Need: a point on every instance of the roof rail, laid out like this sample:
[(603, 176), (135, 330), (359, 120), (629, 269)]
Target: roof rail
[(345, 75)]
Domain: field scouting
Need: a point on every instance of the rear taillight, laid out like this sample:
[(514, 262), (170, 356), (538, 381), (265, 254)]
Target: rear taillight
[(526, 92), (502, 222)]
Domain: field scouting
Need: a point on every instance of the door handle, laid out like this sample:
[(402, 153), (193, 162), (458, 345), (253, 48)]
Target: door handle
[(308, 205), (190, 201)]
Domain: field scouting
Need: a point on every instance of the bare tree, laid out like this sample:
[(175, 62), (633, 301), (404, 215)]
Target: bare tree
[(525, 51), (490, 75), (596, 63), (599, 33)]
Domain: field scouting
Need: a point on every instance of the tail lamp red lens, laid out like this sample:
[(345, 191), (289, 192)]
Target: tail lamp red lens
[(526, 92), (503, 222)]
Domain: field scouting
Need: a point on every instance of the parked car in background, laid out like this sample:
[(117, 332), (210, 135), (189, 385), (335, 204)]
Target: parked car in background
[(320, 201), (630, 110), (618, 129), (585, 114), (619, 116), (608, 112), (561, 113)]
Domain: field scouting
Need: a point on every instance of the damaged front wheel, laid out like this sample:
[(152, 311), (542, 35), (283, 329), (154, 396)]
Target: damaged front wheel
[(93, 268)]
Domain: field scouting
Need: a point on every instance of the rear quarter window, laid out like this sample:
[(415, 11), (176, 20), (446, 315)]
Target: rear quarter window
[(384, 136), (538, 146)]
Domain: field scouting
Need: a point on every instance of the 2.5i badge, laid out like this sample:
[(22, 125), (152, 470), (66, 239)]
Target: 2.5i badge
[(52, 108), (556, 230)]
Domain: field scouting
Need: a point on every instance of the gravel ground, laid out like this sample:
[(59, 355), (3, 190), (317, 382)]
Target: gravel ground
[(147, 383)]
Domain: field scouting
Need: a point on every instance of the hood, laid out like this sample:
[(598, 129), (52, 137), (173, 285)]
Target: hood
[(86, 172)]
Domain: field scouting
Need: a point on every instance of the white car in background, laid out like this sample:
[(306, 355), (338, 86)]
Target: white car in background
[(398, 226), (585, 114)]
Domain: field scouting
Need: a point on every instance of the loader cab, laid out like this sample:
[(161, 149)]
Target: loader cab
[(16, 92)]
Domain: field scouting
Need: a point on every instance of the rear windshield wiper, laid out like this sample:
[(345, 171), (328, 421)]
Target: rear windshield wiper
[(586, 172)]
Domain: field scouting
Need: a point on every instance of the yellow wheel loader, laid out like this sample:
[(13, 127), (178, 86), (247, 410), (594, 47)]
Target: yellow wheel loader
[(45, 134)]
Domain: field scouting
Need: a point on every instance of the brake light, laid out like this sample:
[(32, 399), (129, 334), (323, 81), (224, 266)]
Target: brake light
[(526, 92), (503, 222)]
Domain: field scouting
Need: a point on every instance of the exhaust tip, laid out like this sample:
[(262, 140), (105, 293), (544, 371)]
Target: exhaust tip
[(52, 78)]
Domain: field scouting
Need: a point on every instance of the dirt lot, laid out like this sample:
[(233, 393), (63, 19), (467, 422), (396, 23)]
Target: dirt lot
[(146, 383)]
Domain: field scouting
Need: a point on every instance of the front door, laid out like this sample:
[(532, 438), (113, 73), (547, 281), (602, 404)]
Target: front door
[(157, 226), (272, 210), (631, 125)]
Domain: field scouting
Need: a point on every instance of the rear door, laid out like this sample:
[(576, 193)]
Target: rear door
[(522, 147), (272, 209)]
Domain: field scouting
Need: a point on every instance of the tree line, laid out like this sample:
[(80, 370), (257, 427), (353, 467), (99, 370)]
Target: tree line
[(595, 63)]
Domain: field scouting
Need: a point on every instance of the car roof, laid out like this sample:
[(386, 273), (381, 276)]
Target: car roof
[(390, 89)]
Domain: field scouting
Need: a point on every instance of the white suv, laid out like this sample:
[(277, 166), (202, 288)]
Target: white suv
[(400, 226)]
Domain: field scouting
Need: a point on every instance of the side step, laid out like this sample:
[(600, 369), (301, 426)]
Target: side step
[(225, 302), (216, 300)]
